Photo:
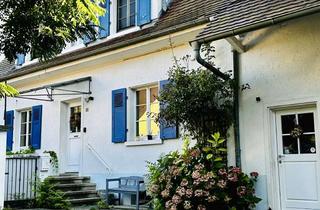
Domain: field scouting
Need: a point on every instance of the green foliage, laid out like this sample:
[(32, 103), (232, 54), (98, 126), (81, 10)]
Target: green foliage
[(27, 151), (102, 205), (43, 27), (7, 90), (197, 178), (49, 197), (197, 99), (53, 160)]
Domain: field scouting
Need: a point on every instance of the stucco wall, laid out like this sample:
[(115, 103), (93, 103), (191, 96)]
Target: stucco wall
[(282, 67), (97, 116)]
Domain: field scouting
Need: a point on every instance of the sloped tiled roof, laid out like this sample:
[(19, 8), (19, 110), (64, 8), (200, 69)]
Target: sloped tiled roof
[(181, 14), (229, 16), (225, 15), (6, 67)]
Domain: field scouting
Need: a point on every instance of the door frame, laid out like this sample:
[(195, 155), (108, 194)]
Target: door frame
[(64, 133), (271, 144)]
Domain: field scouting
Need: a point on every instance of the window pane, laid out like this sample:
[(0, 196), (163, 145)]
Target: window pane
[(29, 130), (154, 128), (30, 116), (132, 7), (23, 117), (288, 122), (141, 113), (122, 23), (141, 97), (122, 2), (306, 121), (23, 141), (290, 145), (154, 110), (23, 129), (75, 119), (122, 12), (307, 144), (29, 143), (153, 95), (132, 20), (142, 129)]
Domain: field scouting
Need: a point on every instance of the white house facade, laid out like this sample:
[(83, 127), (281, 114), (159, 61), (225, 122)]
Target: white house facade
[(90, 105)]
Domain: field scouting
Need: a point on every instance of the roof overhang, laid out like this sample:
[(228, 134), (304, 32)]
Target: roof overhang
[(256, 26)]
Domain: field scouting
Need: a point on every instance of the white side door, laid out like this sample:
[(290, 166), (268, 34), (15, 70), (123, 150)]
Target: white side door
[(74, 138), (298, 159)]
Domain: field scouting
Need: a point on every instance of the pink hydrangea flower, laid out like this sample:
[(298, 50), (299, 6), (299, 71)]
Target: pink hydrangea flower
[(184, 183), (189, 193), (196, 174), (187, 205), (176, 199), (198, 193)]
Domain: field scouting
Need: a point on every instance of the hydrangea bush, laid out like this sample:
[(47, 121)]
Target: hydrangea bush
[(197, 178)]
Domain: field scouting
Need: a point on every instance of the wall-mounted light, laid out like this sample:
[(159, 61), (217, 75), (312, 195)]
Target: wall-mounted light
[(88, 99)]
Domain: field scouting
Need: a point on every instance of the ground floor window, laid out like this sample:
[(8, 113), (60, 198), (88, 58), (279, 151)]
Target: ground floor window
[(147, 108), (25, 128)]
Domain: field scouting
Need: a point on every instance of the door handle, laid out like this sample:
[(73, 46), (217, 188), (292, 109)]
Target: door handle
[(280, 158)]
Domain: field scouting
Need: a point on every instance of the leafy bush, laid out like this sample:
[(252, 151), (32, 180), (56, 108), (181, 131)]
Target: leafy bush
[(197, 178), (49, 197), (197, 100)]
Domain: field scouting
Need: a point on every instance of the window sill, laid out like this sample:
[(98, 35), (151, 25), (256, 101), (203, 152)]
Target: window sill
[(143, 143)]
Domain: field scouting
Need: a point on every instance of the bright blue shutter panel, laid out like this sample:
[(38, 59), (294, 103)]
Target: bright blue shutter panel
[(166, 131), (36, 127), (144, 12), (104, 31), (9, 124), (119, 115), (21, 58)]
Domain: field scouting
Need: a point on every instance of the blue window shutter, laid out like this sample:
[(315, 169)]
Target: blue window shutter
[(104, 29), (167, 131), (21, 58), (119, 115), (9, 124), (144, 12), (36, 127)]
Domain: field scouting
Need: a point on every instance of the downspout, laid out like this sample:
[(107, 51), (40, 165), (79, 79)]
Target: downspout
[(236, 75), (196, 49)]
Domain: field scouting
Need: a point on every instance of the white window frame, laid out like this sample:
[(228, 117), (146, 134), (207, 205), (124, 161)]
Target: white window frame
[(28, 137), (127, 16), (148, 104)]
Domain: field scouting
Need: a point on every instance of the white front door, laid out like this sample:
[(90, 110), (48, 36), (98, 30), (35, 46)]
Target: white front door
[(298, 159), (74, 137)]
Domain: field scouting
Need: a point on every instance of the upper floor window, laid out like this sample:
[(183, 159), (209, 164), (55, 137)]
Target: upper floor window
[(126, 13)]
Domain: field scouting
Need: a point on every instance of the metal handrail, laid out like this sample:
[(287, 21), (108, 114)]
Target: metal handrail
[(107, 167)]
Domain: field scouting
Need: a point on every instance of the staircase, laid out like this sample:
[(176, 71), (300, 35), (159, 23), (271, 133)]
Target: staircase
[(78, 190)]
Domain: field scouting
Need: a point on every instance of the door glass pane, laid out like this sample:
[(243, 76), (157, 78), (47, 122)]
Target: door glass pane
[(75, 119), (290, 145), (288, 122), (307, 144), (306, 122)]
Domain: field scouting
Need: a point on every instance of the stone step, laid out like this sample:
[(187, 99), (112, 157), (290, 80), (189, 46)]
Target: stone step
[(81, 194), (76, 186), (69, 179), (87, 201), (69, 174)]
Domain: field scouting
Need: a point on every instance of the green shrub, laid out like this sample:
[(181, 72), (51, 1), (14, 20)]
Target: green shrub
[(197, 178), (197, 100), (49, 197)]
